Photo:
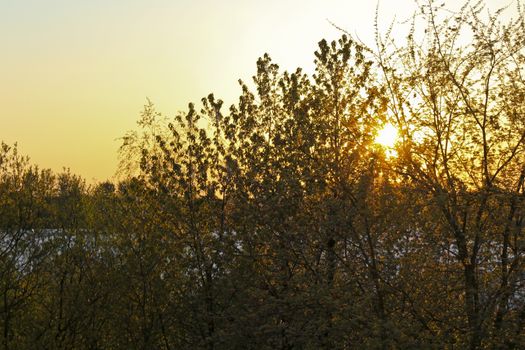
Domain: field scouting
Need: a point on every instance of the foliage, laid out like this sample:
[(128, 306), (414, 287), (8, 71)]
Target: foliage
[(280, 223)]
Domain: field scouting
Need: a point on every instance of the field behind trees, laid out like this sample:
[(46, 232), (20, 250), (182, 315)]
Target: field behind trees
[(282, 222)]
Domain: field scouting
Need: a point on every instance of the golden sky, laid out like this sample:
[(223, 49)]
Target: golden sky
[(75, 74)]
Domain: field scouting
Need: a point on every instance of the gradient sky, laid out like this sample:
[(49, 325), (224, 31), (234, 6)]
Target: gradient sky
[(74, 74)]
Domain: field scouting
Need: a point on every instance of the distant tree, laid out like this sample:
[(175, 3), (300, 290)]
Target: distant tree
[(24, 213)]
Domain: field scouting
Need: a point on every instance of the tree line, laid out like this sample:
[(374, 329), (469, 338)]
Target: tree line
[(280, 223)]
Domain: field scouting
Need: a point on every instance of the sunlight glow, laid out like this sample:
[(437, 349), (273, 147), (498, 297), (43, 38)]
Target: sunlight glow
[(387, 136)]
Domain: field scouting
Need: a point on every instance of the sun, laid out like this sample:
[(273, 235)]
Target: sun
[(387, 136)]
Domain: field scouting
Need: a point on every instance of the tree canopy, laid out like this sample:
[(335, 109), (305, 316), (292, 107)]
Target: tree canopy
[(282, 222)]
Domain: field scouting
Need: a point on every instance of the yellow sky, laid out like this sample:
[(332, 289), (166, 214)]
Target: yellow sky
[(75, 74)]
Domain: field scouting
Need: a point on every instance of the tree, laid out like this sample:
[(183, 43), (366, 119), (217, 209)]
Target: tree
[(454, 95), (281, 223)]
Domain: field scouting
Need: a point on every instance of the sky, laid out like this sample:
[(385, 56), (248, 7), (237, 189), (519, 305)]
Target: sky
[(75, 74)]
